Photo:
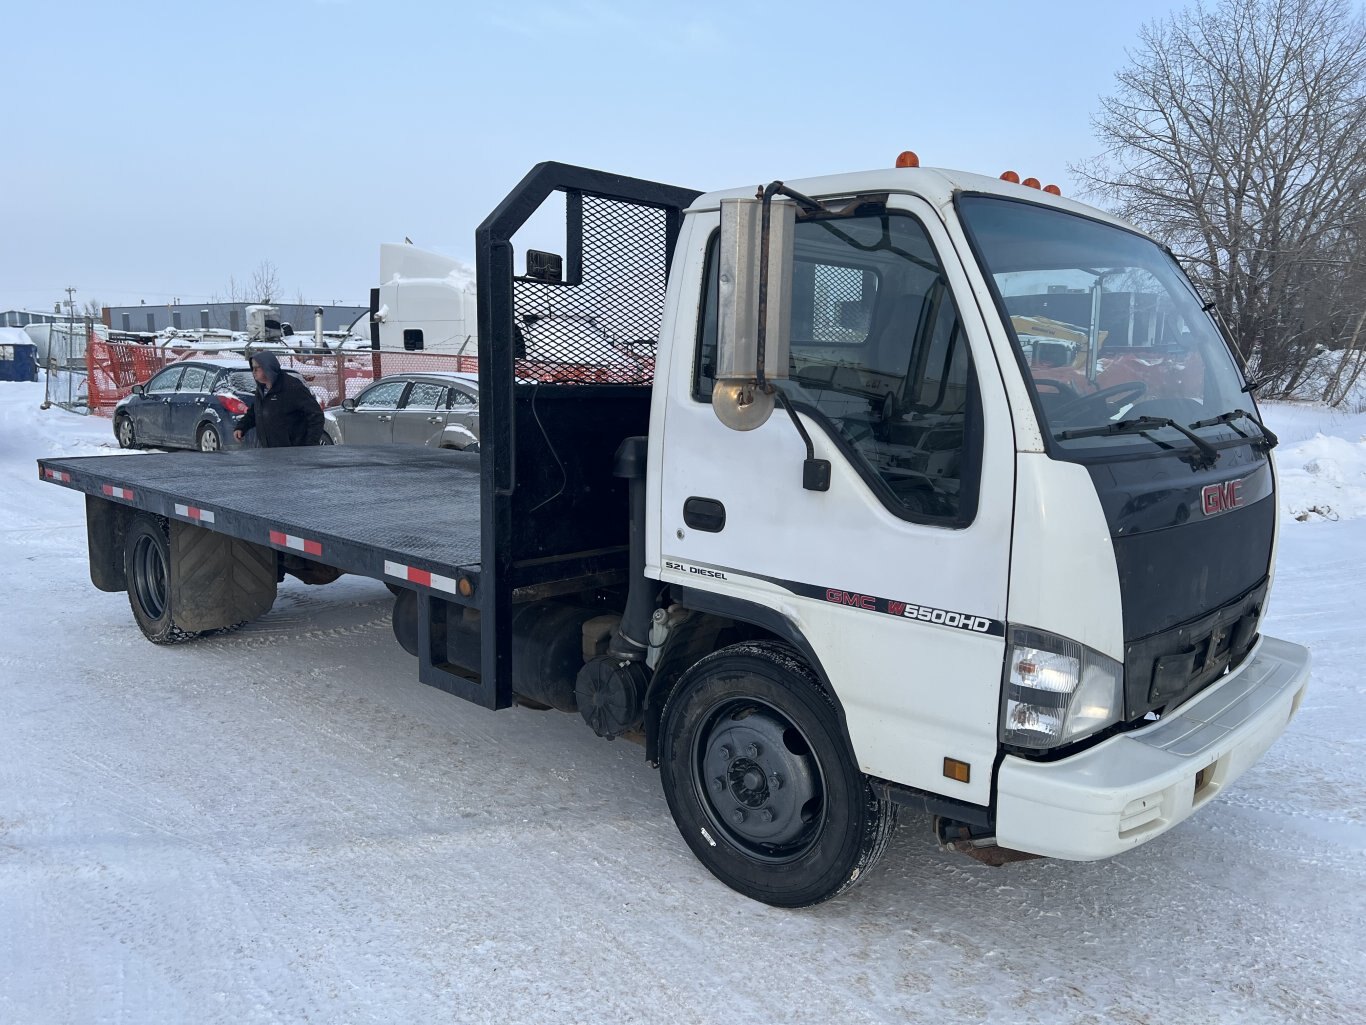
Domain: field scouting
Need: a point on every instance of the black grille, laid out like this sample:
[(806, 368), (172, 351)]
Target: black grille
[(1171, 576), (602, 325)]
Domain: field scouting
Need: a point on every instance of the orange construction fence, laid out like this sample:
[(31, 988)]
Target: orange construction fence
[(114, 367)]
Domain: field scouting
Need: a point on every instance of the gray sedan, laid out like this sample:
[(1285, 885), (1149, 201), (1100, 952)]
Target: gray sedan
[(436, 409)]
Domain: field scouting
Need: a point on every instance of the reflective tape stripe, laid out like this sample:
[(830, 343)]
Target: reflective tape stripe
[(192, 513), (116, 492), (57, 475), (299, 544), (421, 577)]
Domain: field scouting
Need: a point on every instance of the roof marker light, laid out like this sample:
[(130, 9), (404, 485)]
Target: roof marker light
[(1031, 183), (1052, 190), (1012, 177), (906, 158)]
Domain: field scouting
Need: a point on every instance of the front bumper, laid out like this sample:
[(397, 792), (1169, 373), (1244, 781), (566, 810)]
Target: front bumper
[(1133, 787)]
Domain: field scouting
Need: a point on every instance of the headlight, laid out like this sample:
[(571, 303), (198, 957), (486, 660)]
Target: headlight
[(1057, 691)]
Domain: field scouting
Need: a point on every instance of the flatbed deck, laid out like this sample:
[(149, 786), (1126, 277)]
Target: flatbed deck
[(369, 510)]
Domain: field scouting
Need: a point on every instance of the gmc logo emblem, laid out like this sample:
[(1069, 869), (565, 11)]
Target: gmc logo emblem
[(858, 601), (1219, 498)]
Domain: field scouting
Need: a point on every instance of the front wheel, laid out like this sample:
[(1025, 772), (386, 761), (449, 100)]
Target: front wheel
[(761, 782), (124, 431)]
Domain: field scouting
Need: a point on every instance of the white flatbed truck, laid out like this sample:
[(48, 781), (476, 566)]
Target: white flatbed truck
[(839, 542)]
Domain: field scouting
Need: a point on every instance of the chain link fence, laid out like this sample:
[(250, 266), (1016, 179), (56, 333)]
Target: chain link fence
[(64, 363)]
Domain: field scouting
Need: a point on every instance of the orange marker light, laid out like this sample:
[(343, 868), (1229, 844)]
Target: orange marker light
[(960, 771), (907, 159), (1012, 177), (1030, 183), (1052, 190)]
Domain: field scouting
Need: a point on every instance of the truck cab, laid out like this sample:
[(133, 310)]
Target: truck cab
[(1033, 575)]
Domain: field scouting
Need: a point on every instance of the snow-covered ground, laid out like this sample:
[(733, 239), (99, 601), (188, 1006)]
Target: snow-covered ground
[(282, 824)]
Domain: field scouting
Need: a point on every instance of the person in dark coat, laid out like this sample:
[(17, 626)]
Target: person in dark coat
[(283, 411)]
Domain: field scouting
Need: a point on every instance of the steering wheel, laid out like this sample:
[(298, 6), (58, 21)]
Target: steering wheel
[(1062, 388), (1129, 389)]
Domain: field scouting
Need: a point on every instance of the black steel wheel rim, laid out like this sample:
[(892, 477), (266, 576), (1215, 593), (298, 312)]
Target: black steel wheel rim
[(758, 780), (149, 576)]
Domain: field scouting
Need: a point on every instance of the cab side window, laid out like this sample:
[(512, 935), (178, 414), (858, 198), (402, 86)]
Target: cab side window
[(879, 359)]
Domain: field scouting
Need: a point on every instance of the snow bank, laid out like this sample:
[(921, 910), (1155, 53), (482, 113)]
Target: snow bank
[(1321, 461)]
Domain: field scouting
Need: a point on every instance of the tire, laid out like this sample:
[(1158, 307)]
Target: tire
[(125, 432), (146, 565), (394, 589), (207, 439), (326, 439), (737, 718)]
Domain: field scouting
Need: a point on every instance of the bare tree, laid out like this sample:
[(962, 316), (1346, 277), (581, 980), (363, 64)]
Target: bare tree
[(92, 308), (1238, 135), (265, 283)]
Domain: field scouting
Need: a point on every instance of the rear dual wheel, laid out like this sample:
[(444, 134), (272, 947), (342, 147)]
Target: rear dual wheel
[(147, 570), (761, 781)]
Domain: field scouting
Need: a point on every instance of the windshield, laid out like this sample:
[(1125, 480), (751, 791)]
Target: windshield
[(1107, 326)]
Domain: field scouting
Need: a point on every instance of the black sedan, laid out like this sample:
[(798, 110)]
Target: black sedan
[(190, 404)]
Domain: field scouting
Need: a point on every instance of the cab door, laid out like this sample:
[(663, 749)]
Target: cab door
[(896, 576)]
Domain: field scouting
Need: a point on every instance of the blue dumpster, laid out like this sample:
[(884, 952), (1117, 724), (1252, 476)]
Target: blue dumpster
[(18, 361)]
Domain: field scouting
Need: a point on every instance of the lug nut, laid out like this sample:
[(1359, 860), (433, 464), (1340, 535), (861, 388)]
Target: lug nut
[(725, 752), (766, 814), (718, 784), (737, 816), (754, 751), (775, 781)]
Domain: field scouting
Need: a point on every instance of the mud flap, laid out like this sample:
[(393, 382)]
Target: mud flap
[(218, 581), (106, 523)]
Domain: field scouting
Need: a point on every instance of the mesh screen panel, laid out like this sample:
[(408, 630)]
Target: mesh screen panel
[(605, 327)]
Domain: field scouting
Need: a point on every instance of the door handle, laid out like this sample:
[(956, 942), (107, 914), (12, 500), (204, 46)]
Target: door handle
[(382, 416), (706, 514), (435, 420)]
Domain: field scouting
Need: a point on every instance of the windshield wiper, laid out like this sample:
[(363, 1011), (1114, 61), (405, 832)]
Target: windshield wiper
[(1268, 440), (1138, 425)]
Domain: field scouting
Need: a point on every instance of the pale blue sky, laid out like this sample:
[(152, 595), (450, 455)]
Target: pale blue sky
[(153, 149)]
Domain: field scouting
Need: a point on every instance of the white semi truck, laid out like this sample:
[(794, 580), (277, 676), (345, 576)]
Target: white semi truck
[(838, 537)]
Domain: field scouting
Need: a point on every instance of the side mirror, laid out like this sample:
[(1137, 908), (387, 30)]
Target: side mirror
[(737, 398), (349, 405), (138, 389)]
